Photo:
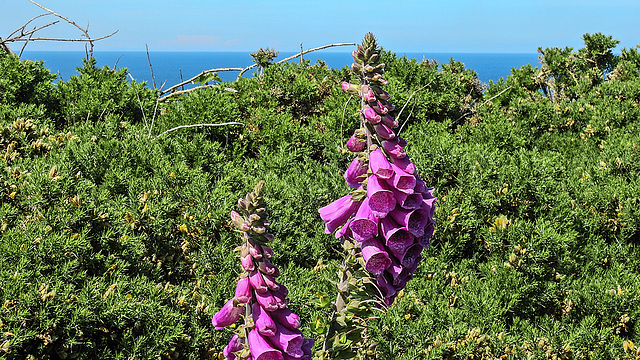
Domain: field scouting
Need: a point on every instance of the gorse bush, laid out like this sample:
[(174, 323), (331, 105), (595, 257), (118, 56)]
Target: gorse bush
[(117, 245)]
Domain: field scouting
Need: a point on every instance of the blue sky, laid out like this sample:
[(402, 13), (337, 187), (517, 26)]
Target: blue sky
[(406, 26)]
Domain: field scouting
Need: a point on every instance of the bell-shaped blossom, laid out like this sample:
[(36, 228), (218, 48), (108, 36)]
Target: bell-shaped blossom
[(386, 286), (290, 342), (356, 173), (364, 224), (379, 107), (393, 149), (402, 180), (263, 322), (286, 318), (425, 240), (260, 348), (338, 212), (381, 200), (355, 144), (371, 115), (405, 164), (408, 256), (229, 314), (247, 262), (244, 292), (397, 238), (235, 344), (389, 120), (344, 231), (271, 282), (379, 164), (367, 94), (375, 257), (408, 201), (384, 131), (280, 297), (267, 267), (267, 301), (257, 282), (412, 220)]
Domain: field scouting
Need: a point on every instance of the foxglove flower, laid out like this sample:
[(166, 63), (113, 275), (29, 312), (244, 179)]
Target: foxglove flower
[(393, 223), (270, 330)]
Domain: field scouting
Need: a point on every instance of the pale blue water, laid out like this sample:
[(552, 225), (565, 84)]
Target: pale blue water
[(168, 66)]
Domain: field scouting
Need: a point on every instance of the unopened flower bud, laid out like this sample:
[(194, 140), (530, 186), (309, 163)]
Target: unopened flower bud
[(356, 144), (374, 58), (351, 89), (258, 229), (237, 219), (368, 68)]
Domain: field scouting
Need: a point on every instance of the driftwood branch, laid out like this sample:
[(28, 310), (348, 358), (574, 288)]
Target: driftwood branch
[(26, 36), (198, 125), (197, 76)]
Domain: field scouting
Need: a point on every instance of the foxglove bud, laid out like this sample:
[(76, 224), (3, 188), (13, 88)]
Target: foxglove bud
[(384, 131), (356, 173), (287, 318), (351, 89), (263, 322), (371, 115), (356, 144), (237, 219), (355, 67), (389, 120), (243, 290), (229, 314)]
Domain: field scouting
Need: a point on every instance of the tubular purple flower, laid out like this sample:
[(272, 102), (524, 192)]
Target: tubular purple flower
[(381, 200), (266, 251), (379, 108), (243, 290), (268, 268), (397, 239), (270, 281), (402, 142), (367, 94), (247, 262), (235, 344), (288, 341), (409, 256), (385, 286), (356, 173), (408, 201), (287, 318), (371, 115), (380, 94), (229, 314), (402, 180), (412, 220), (267, 301), (260, 348), (263, 322), (393, 149), (307, 344), (254, 250), (405, 164), (425, 240), (257, 282), (384, 131), (427, 204), (379, 164), (345, 231), (338, 212), (355, 144), (387, 104), (375, 257), (364, 224), (389, 120)]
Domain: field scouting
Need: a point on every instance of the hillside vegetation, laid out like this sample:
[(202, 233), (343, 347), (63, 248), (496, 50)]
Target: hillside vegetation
[(116, 242)]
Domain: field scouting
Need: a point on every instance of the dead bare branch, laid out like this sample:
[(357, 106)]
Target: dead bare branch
[(182, 92), (197, 76)]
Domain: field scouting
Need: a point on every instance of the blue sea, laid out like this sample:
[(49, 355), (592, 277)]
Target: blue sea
[(170, 67)]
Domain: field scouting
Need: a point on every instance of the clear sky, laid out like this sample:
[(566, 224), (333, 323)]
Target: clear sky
[(503, 26)]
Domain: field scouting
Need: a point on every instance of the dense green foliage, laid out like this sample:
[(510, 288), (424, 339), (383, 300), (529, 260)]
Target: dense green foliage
[(115, 244)]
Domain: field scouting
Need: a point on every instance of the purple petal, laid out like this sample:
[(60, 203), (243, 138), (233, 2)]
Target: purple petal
[(385, 286), (364, 224), (268, 268), (345, 231), (371, 115), (263, 322), (247, 262), (287, 318), (260, 348), (356, 145), (379, 164), (384, 131), (408, 201), (375, 257), (267, 301), (381, 199), (270, 281), (257, 282), (243, 290), (229, 314), (393, 149), (235, 344), (338, 212), (288, 341), (412, 220), (389, 120), (397, 238), (405, 164), (409, 256), (402, 180), (424, 241), (356, 173)]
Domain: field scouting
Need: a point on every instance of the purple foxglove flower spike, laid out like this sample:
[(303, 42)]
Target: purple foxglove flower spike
[(244, 292), (412, 220), (235, 344), (229, 314), (356, 173), (364, 224), (381, 200), (402, 180), (379, 164), (287, 318), (384, 131), (263, 322), (408, 201), (397, 238), (338, 212), (288, 341), (394, 149), (261, 349), (375, 257)]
